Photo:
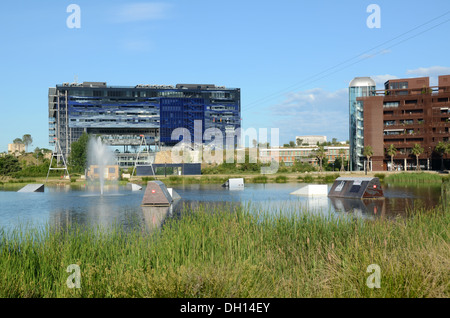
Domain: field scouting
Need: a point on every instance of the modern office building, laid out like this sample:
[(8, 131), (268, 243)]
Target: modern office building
[(358, 87), (123, 114), (405, 113)]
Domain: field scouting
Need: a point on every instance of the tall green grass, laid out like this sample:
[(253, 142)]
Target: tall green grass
[(419, 177), (233, 252), (445, 195)]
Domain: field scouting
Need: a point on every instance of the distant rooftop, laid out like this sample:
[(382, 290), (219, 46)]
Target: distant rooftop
[(151, 86)]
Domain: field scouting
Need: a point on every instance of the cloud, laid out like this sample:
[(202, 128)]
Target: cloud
[(369, 56), (429, 71), (313, 112), (432, 72), (145, 11)]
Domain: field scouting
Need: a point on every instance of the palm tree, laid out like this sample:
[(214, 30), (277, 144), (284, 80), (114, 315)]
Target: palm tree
[(27, 140), (320, 154), (341, 154), (392, 151), (442, 148), (368, 152), (417, 150)]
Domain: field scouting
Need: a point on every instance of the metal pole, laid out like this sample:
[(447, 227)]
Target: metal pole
[(67, 127)]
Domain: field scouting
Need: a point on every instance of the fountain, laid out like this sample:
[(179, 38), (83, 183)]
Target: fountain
[(100, 156)]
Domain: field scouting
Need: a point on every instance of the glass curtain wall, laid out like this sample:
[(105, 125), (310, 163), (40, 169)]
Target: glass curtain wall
[(356, 111)]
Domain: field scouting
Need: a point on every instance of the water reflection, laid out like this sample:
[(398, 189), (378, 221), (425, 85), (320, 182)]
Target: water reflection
[(68, 204), (154, 216), (366, 208)]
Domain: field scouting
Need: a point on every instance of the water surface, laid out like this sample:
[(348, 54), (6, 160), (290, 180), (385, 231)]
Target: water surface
[(85, 205)]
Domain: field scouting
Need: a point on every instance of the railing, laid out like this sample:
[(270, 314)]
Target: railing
[(431, 90)]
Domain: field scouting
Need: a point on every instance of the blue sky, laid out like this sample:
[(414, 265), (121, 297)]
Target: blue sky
[(293, 60)]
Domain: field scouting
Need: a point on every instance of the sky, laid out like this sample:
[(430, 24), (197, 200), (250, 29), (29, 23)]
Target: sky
[(292, 59)]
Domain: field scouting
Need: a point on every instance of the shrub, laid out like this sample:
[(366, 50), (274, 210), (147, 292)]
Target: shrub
[(281, 179)]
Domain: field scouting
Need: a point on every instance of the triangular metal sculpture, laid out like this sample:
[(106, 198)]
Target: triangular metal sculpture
[(57, 152), (143, 143)]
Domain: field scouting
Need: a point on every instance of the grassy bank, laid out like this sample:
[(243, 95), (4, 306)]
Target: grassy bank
[(234, 253), (413, 177), (256, 178)]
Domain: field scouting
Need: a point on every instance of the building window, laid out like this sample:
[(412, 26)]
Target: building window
[(391, 104)]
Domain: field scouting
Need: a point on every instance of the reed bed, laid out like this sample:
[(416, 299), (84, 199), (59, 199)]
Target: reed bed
[(233, 252), (415, 177)]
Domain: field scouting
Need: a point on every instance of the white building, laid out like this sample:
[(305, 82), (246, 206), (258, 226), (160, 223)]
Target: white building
[(16, 149), (311, 140)]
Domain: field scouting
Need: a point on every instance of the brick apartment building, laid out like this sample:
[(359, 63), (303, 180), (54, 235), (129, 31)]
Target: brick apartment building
[(405, 113)]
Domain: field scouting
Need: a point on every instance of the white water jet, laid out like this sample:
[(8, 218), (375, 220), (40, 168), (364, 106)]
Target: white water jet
[(101, 156)]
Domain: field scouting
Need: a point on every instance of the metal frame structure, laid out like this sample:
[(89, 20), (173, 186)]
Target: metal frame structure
[(143, 143), (57, 153)]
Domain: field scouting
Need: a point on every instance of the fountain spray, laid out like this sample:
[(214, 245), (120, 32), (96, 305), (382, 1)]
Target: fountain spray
[(100, 155)]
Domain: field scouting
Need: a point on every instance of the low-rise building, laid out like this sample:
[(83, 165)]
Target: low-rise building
[(304, 154), (16, 149), (110, 172)]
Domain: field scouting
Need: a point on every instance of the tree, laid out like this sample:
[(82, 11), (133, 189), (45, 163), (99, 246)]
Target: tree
[(18, 141), (291, 144), (78, 153), (254, 142), (299, 142), (442, 148), (135, 148), (9, 165), (27, 140), (319, 153), (368, 153), (392, 151), (417, 150)]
